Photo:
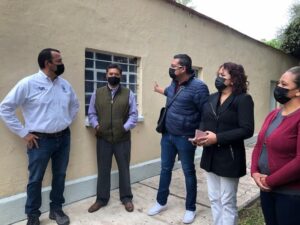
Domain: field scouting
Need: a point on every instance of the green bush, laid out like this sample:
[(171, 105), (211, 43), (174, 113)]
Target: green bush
[(291, 38)]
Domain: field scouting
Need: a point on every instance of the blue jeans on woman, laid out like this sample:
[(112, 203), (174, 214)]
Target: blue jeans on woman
[(171, 145), (280, 209), (57, 149)]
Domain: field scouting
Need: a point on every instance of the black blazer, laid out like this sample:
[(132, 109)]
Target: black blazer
[(232, 122)]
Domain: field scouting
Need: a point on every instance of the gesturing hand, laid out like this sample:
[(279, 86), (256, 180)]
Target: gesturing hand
[(158, 89), (31, 140)]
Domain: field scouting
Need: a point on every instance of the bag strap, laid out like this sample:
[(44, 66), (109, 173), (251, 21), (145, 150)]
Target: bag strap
[(180, 89)]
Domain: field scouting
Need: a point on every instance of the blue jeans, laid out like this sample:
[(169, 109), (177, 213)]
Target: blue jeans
[(57, 149), (280, 209), (171, 145)]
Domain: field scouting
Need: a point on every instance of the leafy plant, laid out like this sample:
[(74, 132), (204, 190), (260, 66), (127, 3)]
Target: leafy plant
[(290, 36), (275, 43)]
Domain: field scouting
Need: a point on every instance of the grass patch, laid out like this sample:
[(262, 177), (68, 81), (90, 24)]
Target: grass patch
[(251, 214)]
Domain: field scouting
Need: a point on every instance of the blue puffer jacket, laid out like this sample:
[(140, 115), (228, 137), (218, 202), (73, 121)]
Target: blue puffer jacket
[(184, 115)]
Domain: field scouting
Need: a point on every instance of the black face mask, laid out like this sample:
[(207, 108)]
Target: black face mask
[(172, 73), (219, 83), (280, 95), (113, 81), (60, 69)]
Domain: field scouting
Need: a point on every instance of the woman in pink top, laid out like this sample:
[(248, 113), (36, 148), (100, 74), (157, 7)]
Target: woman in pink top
[(276, 157)]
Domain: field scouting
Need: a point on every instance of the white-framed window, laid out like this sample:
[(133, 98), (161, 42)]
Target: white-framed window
[(273, 103), (198, 72), (95, 72)]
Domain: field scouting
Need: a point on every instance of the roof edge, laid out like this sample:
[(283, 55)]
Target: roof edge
[(194, 12)]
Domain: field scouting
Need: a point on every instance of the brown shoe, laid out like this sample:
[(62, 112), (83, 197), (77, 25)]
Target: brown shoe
[(96, 206), (129, 206)]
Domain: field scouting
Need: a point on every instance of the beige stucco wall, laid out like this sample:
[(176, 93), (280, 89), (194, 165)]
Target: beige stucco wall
[(153, 30)]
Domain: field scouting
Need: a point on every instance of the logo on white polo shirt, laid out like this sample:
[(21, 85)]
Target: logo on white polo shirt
[(42, 88), (63, 88)]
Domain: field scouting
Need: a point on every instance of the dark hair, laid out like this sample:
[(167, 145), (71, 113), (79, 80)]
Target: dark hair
[(238, 77), (114, 66), (185, 60), (296, 71), (44, 55)]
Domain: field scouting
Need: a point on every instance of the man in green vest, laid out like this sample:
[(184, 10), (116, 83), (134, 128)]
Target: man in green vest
[(113, 113)]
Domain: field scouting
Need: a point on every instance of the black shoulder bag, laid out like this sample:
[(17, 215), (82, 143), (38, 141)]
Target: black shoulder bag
[(161, 124)]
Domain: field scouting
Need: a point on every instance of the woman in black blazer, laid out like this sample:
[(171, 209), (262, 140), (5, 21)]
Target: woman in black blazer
[(227, 120)]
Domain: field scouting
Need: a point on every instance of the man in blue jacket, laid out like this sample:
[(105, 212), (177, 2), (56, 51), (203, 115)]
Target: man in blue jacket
[(182, 119)]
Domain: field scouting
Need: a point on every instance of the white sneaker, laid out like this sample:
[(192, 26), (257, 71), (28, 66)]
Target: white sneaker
[(189, 216), (157, 208)]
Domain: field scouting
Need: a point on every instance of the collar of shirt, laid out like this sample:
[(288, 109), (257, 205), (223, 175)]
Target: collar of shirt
[(113, 90), (43, 75)]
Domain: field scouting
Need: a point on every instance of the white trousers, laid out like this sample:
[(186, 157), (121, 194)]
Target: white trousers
[(222, 195)]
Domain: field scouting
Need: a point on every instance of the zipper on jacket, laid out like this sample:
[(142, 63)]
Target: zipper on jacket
[(231, 151), (111, 112)]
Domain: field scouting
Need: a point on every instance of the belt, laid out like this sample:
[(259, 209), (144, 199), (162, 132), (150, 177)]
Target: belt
[(52, 135)]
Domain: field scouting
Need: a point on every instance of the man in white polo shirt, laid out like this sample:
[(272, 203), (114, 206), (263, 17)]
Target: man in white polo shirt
[(49, 105)]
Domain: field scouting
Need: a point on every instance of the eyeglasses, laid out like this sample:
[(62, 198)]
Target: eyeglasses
[(175, 67)]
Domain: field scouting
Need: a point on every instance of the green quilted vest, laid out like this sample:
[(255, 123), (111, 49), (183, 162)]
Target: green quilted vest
[(112, 114)]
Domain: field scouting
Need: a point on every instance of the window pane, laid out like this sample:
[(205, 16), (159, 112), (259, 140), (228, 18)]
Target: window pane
[(133, 60), (101, 76), (196, 72), (104, 57), (124, 67), (89, 75), (89, 87), (88, 99), (132, 78), (86, 109), (101, 84), (123, 84), (89, 54), (89, 63), (124, 78), (132, 87), (132, 69), (101, 65), (120, 59)]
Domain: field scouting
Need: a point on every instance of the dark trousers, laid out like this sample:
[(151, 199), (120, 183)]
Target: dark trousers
[(105, 152), (171, 145), (57, 149), (280, 209)]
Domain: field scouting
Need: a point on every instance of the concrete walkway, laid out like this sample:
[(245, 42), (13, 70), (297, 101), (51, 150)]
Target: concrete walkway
[(144, 193)]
